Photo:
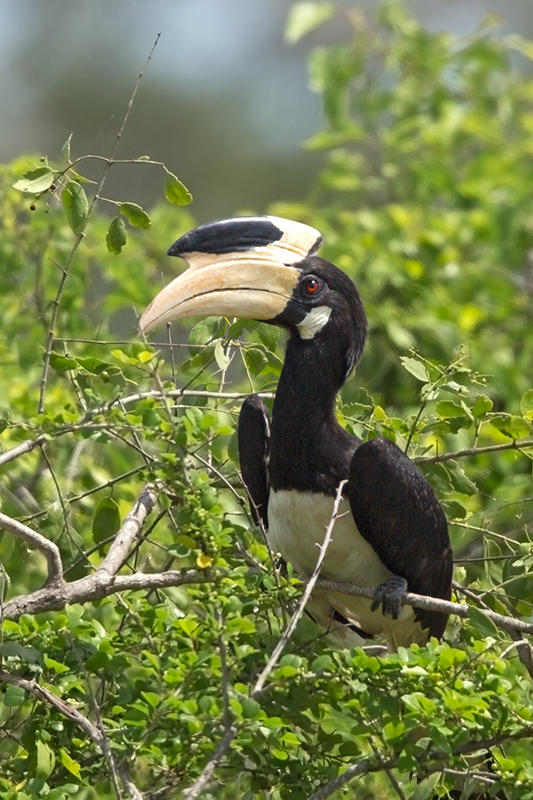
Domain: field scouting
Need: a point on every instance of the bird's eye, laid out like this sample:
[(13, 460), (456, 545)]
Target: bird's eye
[(312, 285)]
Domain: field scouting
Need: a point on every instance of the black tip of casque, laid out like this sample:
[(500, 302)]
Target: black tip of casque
[(227, 236)]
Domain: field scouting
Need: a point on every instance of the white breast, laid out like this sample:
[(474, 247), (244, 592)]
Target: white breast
[(297, 525)]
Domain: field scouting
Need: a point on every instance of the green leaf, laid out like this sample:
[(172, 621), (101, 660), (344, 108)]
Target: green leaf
[(116, 235), (152, 698), (426, 788), (14, 696), (44, 760), (250, 707), (255, 360), (62, 363), (76, 205), (305, 17), (483, 624), (447, 409), (415, 367), (65, 150), (526, 404), (482, 405), (221, 357), (135, 215), (175, 191), (106, 520), (70, 765), (17, 650), (35, 181), (459, 480)]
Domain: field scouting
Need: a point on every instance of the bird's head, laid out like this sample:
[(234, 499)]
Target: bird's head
[(262, 268)]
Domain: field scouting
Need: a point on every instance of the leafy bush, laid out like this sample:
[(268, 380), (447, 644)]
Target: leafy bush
[(144, 667)]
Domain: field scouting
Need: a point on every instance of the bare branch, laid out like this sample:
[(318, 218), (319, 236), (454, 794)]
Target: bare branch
[(21, 449), (49, 549), (94, 587), (130, 528), (523, 444)]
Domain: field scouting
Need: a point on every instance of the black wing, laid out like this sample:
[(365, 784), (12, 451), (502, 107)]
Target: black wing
[(397, 512), (254, 443)]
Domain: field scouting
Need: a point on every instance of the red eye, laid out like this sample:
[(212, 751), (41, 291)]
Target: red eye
[(312, 285)]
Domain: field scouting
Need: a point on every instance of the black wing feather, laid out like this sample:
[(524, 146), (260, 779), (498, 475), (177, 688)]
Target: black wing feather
[(397, 512), (254, 445)]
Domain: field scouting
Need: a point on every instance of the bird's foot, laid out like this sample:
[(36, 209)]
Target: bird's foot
[(390, 596)]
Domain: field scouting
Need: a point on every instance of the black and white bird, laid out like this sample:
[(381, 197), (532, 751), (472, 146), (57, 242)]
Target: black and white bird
[(394, 535)]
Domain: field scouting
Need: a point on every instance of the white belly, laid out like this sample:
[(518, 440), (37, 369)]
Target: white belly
[(297, 525)]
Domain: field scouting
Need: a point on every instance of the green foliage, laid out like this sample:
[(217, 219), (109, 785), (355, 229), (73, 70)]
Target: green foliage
[(425, 198)]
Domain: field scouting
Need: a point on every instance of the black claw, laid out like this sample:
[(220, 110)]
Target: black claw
[(390, 596)]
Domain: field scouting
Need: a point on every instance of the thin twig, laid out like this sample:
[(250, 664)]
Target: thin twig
[(197, 787), (522, 444), (434, 758), (108, 163), (289, 630)]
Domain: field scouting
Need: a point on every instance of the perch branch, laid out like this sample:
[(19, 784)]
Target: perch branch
[(509, 624), (95, 587)]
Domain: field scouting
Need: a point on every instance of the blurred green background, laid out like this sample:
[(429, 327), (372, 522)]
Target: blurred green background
[(224, 102)]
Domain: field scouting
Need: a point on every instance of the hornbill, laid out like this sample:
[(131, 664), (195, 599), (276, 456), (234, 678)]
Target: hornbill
[(393, 535)]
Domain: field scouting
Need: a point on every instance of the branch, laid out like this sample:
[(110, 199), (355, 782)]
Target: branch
[(118, 552), (522, 444), (509, 624), (49, 549), (57, 593), (289, 630), (95, 587), (72, 713), (21, 449), (434, 758), (35, 689), (108, 163)]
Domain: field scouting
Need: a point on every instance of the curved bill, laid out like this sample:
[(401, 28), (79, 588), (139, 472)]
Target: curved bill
[(241, 267)]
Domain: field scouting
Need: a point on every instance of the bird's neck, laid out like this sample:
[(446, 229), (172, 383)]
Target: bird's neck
[(307, 388), (304, 430)]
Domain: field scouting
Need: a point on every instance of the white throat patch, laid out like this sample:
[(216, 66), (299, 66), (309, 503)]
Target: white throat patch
[(313, 322)]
